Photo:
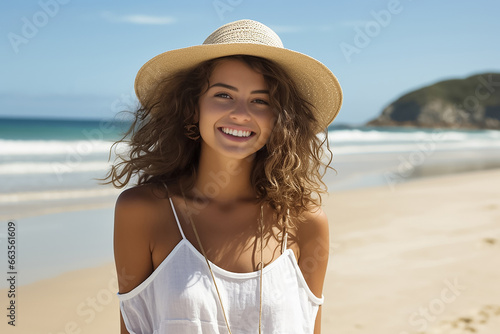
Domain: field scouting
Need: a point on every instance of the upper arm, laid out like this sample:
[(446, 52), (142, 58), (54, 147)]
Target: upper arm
[(313, 239), (132, 238)]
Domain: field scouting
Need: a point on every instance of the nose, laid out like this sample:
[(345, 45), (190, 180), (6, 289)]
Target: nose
[(240, 113)]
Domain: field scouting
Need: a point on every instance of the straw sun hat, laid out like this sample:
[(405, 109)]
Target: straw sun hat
[(246, 37)]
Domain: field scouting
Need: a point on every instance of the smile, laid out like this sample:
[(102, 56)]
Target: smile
[(236, 133)]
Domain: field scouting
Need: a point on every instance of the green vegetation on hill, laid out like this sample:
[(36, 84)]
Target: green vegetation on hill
[(473, 102)]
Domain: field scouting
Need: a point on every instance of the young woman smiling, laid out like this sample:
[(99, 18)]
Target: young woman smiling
[(223, 231)]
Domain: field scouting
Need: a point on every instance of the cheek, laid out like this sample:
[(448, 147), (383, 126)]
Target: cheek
[(210, 109), (205, 113), (205, 124), (267, 127), (268, 123)]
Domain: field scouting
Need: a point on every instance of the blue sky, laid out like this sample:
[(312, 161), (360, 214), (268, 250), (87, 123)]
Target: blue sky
[(78, 59)]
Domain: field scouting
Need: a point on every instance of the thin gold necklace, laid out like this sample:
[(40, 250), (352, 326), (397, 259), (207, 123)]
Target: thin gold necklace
[(210, 267)]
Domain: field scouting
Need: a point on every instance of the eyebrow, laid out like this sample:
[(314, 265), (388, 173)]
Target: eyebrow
[(220, 84)]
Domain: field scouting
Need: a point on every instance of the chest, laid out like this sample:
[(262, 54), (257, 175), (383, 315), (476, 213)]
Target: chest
[(230, 238)]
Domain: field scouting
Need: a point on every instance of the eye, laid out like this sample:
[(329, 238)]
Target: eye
[(259, 101), (223, 95)]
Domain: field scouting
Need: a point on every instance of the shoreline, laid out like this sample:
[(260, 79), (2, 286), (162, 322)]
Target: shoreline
[(56, 201), (56, 243), (351, 172), (392, 252)]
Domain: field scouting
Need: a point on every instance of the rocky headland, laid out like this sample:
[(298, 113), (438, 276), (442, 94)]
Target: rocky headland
[(470, 103)]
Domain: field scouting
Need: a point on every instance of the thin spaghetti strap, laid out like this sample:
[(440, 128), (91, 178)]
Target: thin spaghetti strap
[(285, 239), (175, 214), (176, 218)]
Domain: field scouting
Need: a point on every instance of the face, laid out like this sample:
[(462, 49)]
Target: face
[(235, 117)]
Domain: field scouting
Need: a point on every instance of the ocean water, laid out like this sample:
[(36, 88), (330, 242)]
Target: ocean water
[(50, 159), (49, 155), (376, 156)]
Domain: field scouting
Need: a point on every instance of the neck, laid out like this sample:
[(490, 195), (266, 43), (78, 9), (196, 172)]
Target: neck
[(222, 179)]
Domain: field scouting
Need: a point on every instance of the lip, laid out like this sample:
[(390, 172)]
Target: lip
[(234, 138)]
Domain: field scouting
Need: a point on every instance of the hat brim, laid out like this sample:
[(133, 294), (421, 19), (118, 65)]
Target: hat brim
[(318, 84)]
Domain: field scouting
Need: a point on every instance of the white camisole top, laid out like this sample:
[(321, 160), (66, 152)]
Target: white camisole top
[(180, 297)]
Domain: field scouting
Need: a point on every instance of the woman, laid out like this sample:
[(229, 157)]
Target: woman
[(228, 161)]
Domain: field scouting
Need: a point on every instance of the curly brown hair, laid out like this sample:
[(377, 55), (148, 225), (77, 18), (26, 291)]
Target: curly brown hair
[(287, 172)]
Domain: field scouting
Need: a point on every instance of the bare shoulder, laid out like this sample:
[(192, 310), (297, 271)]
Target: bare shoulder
[(137, 211), (314, 225), (138, 216), (141, 198), (141, 207), (313, 242)]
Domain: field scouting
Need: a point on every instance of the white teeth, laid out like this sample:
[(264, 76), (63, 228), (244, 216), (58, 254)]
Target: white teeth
[(236, 133)]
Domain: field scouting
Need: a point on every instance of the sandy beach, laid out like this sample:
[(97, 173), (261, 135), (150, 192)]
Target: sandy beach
[(423, 257), (420, 257)]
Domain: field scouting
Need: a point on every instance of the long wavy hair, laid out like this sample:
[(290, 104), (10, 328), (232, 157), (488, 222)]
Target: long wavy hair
[(287, 172)]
